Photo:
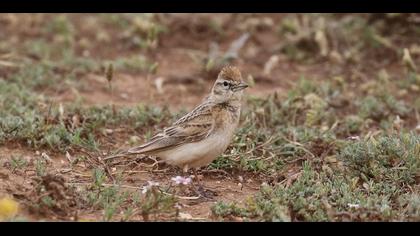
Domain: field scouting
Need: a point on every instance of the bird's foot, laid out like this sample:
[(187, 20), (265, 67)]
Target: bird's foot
[(205, 193)]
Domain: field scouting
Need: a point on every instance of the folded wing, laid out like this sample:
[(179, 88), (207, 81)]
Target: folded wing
[(193, 127)]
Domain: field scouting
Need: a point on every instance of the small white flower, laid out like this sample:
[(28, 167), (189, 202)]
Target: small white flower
[(354, 138), (152, 183), (351, 205), (46, 157), (181, 180), (178, 206), (186, 181), (177, 179), (149, 185)]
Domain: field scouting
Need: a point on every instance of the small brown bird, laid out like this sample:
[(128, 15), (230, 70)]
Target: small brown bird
[(200, 136)]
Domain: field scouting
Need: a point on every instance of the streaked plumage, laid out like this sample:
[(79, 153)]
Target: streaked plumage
[(197, 138)]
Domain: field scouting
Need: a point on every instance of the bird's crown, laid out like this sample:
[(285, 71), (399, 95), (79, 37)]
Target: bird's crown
[(230, 73)]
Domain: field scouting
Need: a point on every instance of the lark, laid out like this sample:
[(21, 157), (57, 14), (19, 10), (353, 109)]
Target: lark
[(199, 137)]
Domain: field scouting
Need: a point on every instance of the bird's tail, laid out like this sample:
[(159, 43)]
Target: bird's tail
[(116, 155), (142, 149)]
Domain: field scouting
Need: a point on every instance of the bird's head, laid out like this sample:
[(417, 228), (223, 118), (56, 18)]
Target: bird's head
[(228, 86)]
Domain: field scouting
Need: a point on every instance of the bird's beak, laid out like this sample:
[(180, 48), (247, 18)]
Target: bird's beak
[(240, 87)]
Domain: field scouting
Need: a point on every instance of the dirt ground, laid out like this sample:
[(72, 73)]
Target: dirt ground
[(184, 86)]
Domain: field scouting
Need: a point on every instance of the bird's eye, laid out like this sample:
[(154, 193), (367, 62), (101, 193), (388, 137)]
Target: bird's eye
[(225, 84)]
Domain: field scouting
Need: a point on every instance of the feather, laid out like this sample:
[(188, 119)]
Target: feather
[(193, 127)]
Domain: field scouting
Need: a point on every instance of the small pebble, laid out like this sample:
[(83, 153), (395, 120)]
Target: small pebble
[(124, 96), (109, 131)]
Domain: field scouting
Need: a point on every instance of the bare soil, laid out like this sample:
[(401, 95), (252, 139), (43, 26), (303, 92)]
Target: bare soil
[(184, 86)]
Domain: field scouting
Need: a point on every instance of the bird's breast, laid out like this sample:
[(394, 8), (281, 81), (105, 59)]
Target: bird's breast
[(227, 117)]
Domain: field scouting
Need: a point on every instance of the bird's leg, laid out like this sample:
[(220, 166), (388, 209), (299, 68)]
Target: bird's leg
[(200, 185), (185, 169), (198, 189), (182, 171), (201, 190), (195, 176)]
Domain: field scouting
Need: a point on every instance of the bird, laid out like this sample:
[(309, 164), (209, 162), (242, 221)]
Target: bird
[(199, 137)]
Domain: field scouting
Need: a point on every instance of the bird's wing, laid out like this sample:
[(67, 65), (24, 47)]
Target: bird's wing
[(192, 127), (203, 111)]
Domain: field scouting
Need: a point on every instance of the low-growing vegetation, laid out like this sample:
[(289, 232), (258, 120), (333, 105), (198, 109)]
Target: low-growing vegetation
[(330, 129)]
